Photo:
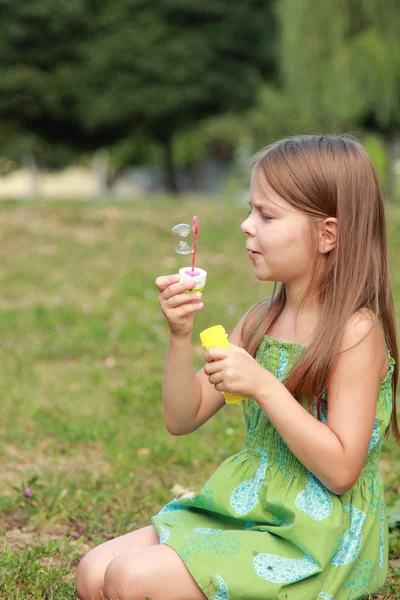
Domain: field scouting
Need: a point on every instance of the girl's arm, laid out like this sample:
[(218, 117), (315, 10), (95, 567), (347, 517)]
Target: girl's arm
[(180, 388), (189, 399), (334, 452)]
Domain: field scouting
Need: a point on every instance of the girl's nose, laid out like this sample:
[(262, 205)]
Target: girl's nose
[(247, 227)]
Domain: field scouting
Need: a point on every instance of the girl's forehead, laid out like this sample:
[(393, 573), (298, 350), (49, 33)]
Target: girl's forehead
[(262, 195)]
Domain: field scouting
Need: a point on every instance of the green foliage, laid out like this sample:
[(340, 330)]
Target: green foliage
[(376, 149), (104, 74), (171, 64), (343, 58), (41, 55)]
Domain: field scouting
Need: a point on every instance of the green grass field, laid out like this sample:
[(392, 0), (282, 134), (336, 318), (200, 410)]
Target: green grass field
[(82, 351)]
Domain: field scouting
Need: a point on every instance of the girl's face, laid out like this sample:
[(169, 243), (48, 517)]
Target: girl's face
[(278, 237)]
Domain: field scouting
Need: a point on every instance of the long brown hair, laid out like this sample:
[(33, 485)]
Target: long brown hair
[(330, 176)]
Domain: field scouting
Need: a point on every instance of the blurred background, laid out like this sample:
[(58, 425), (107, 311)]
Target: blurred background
[(128, 98)]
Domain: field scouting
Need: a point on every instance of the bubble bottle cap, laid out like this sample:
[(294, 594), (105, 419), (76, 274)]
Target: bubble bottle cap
[(214, 337), (200, 277)]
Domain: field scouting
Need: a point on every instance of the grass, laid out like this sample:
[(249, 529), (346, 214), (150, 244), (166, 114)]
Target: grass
[(82, 350)]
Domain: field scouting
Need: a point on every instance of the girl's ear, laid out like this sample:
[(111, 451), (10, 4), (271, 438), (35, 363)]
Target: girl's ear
[(327, 235)]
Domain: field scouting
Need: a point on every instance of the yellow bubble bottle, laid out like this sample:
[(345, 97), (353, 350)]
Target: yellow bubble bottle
[(216, 337)]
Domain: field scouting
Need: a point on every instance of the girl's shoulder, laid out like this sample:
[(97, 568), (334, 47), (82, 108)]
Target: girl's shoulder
[(364, 329), (364, 323)]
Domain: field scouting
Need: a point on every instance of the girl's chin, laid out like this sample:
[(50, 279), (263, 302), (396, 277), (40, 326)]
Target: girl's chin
[(263, 275)]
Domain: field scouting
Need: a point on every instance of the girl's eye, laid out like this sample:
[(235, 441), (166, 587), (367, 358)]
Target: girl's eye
[(264, 217)]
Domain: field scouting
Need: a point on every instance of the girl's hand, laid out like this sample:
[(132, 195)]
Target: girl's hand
[(233, 370), (178, 306)]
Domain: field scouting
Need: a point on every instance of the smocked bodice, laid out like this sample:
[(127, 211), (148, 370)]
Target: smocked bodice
[(279, 357)]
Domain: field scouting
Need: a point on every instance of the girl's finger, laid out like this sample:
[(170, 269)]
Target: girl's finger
[(216, 378), (178, 288), (219, 387), (183, 311), (212, 367), (181, 299), (164, 281)]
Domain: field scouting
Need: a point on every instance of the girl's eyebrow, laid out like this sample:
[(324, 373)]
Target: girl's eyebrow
[(256, 202), (262, 204)]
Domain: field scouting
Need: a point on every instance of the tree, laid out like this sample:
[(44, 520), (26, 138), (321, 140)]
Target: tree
[(162, 65), (88, 75), (341, 59), (39, 50)]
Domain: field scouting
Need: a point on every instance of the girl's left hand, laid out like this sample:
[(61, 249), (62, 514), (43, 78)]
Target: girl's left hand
[(233, 370)]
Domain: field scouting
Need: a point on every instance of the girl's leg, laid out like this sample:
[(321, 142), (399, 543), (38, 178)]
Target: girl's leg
[(155, 572), (91, 569)]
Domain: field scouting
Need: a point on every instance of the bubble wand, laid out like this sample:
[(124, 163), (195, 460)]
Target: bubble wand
[(195, 228), (184, 241)]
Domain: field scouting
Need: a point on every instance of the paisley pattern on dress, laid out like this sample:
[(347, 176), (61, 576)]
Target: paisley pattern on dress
[(172, 506), (281, 371), (222, 593), (278, 569), (350, 548), (315, 501), (206, 530), (246, 495), (382, 537), (222, 544), (375, 435), (164, 534)]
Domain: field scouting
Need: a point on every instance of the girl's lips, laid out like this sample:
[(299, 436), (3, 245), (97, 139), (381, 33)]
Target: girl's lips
[(253, 255)]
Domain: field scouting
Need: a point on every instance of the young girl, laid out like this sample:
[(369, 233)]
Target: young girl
[(299, 513)]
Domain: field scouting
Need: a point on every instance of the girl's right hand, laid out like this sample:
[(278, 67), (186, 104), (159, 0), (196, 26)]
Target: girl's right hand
[(178, 306)]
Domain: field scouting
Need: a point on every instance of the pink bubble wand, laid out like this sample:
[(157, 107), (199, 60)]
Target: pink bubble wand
[(195, 228)]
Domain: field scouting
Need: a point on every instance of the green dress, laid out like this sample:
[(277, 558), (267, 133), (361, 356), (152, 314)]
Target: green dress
[(263, 527)]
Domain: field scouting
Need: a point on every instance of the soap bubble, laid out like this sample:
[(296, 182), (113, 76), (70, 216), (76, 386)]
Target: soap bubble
[(182, 238)]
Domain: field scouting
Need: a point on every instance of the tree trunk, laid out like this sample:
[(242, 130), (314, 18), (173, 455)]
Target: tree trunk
[(100, 168), (29, 163), (170, 171), (112, 175), (392, 140)]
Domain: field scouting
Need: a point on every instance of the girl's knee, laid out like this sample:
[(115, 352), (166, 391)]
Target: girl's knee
[(89, 577), (91, 569), (125, 578)]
